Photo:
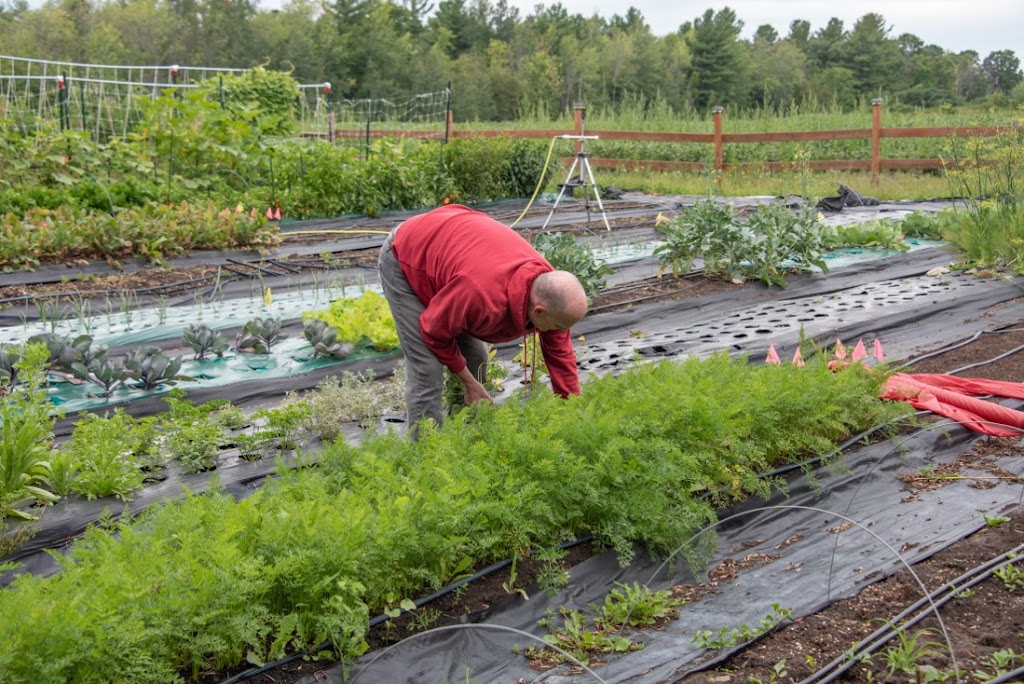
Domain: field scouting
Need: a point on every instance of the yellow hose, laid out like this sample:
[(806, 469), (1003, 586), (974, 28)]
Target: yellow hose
[(349, 231), (540, 180)]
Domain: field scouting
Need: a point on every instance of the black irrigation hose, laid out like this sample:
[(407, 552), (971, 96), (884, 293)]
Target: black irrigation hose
[(939, 597), (1011, 676), (381, 619), (255, 266), (151, 288)]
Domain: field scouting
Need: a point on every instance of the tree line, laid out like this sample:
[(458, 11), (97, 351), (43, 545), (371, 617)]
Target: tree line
[(503, 66)]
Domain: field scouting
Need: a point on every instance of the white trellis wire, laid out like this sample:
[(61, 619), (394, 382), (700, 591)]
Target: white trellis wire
[(104, 100)]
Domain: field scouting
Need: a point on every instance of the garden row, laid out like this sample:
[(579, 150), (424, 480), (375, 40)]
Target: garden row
[(208, 582)]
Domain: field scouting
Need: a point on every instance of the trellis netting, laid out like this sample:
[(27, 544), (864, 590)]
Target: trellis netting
[(104, 99)]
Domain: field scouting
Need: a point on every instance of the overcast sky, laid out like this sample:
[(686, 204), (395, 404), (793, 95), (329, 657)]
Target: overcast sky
[(955, 25)]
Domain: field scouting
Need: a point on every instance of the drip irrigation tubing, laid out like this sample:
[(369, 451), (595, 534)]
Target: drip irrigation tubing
[(93, 293), (913, 614), (381, 619), (1011, 676)]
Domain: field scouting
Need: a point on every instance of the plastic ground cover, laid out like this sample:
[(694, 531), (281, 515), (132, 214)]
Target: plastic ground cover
[(833, 534)]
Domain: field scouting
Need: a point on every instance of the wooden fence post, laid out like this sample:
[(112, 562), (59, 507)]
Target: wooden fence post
[(876, 139), (716, 113)]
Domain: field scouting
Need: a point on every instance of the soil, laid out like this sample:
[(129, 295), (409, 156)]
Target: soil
[(982, 623)]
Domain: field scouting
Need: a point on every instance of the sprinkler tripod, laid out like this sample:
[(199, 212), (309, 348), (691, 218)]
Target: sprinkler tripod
[(579, 175)]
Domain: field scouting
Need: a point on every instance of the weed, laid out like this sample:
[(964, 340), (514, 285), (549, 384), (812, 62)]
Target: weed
[(994, 521), (636, 606), (905, 657), (727, 637), (1010, 575), (574, 637), (553, 577), (1001, 662), (778, 674), (354, 397)]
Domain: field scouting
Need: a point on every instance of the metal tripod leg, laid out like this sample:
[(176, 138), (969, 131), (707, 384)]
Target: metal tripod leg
[(561, 192), (597, 195), (585, 173)]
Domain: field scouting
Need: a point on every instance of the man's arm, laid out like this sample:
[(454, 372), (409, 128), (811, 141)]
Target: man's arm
[(560, 358), (475, 391)]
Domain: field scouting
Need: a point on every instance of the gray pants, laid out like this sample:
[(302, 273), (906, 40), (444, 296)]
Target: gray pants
[(424, 374)]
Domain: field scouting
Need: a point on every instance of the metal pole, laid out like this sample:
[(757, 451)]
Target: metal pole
[(81, 100)]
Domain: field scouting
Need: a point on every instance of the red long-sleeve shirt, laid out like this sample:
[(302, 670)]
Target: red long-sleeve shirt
[(473, 275)]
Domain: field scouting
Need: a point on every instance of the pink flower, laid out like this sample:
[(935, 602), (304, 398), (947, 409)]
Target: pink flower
[(798, 358), (773, 356)]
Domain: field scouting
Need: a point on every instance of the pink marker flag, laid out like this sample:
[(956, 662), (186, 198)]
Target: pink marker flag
[(840, 349), (270, 213), (859, 352), (798, 358), (877, 352), (773, 356), (277, 214)]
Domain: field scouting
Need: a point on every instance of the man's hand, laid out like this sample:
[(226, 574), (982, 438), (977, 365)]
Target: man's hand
[(475, 391)]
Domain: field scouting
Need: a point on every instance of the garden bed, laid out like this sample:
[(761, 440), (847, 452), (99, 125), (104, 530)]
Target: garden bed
[(651, 318)]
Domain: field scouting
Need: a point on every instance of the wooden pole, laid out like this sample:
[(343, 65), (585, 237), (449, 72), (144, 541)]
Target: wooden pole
[(876, 139), (716, 113)]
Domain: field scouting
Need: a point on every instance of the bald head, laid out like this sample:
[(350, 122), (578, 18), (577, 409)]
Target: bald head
[(557, 301)]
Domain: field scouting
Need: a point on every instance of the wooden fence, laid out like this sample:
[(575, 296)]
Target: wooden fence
[(719, 138)]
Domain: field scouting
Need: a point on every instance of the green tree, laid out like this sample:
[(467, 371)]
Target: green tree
[(766, 33), (718, 66), (872, 56), (826, 46), (285, 40), (931, 77), (800, 33), (971, 83), (1002, 68), (778, 74)]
